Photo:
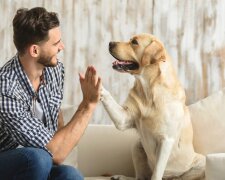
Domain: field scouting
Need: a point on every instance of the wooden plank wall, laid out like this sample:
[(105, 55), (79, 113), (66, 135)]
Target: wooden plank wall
[(193, 32)]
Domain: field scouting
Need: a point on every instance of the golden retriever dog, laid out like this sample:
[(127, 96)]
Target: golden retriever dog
[(156, 108)]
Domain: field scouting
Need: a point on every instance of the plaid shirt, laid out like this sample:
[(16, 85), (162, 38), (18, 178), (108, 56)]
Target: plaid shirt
[(18, 124)]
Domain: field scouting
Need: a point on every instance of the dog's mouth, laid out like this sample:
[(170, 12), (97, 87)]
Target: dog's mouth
[(125, 65)]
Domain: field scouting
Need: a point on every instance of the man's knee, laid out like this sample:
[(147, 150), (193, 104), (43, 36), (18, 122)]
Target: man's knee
[(25, 163), (72, 173), (40, 157), (39, 161), (65, 172)]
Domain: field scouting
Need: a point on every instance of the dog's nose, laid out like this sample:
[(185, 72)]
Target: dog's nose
[(112, 45)]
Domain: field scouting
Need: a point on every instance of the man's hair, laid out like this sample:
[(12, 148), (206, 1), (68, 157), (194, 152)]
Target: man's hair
[(32, 26)]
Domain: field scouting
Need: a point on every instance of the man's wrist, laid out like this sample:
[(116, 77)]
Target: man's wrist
[(87, 105)]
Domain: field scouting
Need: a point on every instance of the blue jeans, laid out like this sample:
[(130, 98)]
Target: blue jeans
[(33, 164)]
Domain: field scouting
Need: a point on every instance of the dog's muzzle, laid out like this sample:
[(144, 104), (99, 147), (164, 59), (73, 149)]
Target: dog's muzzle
[(122, 65)]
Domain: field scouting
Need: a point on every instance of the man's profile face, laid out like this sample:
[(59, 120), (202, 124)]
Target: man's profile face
[(50, 48)]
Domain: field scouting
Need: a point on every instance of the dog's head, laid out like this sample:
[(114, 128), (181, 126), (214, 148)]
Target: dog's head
[(141, 51)]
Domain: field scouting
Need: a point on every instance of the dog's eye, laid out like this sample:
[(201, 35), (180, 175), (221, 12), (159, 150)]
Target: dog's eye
[(134, 41)]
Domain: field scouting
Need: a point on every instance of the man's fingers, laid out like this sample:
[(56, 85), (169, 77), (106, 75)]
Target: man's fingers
[(81, 76), (99, 83), (91, 78), (94, 76), (91, 73), (87, 73)]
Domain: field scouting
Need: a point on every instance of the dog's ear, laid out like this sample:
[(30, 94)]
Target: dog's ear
[(153, 53)]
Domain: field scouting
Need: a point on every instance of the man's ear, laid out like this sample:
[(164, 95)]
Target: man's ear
[(34, 50), (153, 53)]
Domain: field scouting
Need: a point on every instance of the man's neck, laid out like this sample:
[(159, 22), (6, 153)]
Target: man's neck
[(32, 69)]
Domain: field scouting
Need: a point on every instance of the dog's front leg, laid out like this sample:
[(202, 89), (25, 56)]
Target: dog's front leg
[(163, 152), (119, 115)]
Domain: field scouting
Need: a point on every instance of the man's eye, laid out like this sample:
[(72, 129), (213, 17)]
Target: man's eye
[(134, 41)]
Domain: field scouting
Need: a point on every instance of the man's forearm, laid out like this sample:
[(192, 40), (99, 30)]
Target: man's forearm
[(60, 120), (67, 137)]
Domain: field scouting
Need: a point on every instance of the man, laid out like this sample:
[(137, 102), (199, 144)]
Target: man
[(33, 140)]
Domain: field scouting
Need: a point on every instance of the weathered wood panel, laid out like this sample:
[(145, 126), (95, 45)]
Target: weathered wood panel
[(193, 32)]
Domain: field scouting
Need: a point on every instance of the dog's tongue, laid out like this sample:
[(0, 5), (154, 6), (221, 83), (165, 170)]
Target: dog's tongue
[(124, 66), (121, 62)]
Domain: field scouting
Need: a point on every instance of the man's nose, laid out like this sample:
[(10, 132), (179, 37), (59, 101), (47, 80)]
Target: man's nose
[(61, 46)]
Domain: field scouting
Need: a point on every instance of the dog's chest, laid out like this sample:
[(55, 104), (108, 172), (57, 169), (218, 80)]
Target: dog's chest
[(149, 142), (152, 120), (159, 116), (151, 128)]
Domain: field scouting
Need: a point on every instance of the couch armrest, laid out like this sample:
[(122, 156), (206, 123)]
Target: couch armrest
[(105, 150), (215, 166)]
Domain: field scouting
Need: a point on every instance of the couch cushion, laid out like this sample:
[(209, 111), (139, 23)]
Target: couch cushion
[(208, 119), (105, 150)]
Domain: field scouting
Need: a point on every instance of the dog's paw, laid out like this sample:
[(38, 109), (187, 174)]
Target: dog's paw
[(103, 93)]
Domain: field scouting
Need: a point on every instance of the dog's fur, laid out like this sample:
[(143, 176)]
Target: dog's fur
[(156, 108)]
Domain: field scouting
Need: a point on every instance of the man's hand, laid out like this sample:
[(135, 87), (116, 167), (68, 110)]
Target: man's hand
[(68, 136), (90, 86)]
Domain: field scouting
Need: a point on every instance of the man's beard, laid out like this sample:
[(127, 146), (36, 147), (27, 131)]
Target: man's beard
[(47, 61)]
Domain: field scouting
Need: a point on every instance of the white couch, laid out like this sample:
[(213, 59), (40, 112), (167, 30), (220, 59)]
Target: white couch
[(103, 150)]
